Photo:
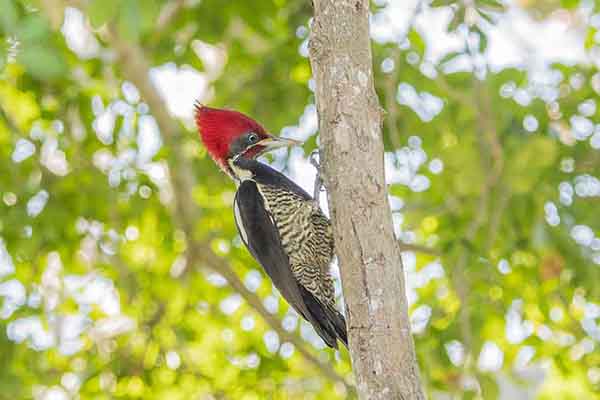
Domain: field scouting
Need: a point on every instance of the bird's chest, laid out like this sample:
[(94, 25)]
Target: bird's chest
[(305, 233), (290, 211)]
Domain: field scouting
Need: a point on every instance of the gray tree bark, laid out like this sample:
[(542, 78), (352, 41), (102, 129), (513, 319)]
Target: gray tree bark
[(350, 118)]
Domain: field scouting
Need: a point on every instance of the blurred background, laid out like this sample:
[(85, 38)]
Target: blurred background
[(121, 272)]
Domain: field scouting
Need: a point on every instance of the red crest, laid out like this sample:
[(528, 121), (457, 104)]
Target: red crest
[(219, 128)]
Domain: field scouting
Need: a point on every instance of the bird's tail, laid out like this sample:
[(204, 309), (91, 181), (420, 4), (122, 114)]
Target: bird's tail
[(327, 321), (339, 324)]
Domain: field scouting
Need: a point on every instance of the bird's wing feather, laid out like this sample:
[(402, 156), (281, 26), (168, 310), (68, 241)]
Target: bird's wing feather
[(260, 235)]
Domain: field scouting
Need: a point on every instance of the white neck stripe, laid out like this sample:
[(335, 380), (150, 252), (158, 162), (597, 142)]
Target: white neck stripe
[(239, 174)]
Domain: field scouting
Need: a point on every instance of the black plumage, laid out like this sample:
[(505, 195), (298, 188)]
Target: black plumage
[(291, 238)]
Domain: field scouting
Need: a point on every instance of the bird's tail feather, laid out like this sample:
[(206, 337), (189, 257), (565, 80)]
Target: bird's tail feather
[(339, 324), (327, 321)]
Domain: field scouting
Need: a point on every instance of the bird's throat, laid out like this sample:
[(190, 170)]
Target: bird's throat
[(238, 173)]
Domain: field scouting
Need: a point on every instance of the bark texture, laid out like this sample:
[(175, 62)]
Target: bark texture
[(350, 120)]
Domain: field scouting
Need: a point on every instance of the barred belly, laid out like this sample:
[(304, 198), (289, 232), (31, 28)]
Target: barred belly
[(307, 238)]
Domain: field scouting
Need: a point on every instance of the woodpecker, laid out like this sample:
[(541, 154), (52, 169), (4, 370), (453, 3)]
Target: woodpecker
[(280, 224)]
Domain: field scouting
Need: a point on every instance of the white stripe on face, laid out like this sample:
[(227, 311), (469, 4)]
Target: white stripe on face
[(239, 173)]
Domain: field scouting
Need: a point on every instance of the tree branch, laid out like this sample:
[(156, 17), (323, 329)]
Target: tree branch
[(417, 248), (492, 163), (10, 123), (167, 14), (217, 264), (351, 150)]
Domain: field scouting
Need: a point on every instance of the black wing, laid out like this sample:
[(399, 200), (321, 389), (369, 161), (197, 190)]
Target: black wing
[(260, 235)]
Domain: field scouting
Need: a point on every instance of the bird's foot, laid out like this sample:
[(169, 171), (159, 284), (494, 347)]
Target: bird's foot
[(314, 158)]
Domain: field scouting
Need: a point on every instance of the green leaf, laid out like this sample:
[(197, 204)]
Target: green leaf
[(590, 38), (102, 11), (535, 154), (569, 4), (457, 19), (42, 62), (441, 3), (149, 14), (486, 14), (8, 16), (490, 5), (129, 22), (449, 57), (482, 39), (3, 56), (489, 387), (416, 41), (34, 28)]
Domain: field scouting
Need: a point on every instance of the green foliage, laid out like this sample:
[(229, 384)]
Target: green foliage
[(537, 154), (39, 53), (3, 57), (163, 328), (9, 16), (569, 3), (42, 62), (101, 11)]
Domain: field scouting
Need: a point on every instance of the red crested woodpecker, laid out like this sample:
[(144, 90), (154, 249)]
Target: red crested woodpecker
[(281, 225)]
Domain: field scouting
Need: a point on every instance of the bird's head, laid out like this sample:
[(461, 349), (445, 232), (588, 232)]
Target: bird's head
[(228, 134)]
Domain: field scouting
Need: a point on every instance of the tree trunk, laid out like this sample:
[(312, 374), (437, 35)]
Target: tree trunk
[(350, 117)]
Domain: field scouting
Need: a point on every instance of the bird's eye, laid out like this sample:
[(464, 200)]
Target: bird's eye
[(252, 138)]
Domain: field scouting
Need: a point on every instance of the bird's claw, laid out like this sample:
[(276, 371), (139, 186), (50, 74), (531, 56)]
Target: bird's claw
[(313, 158), (314, 161)]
